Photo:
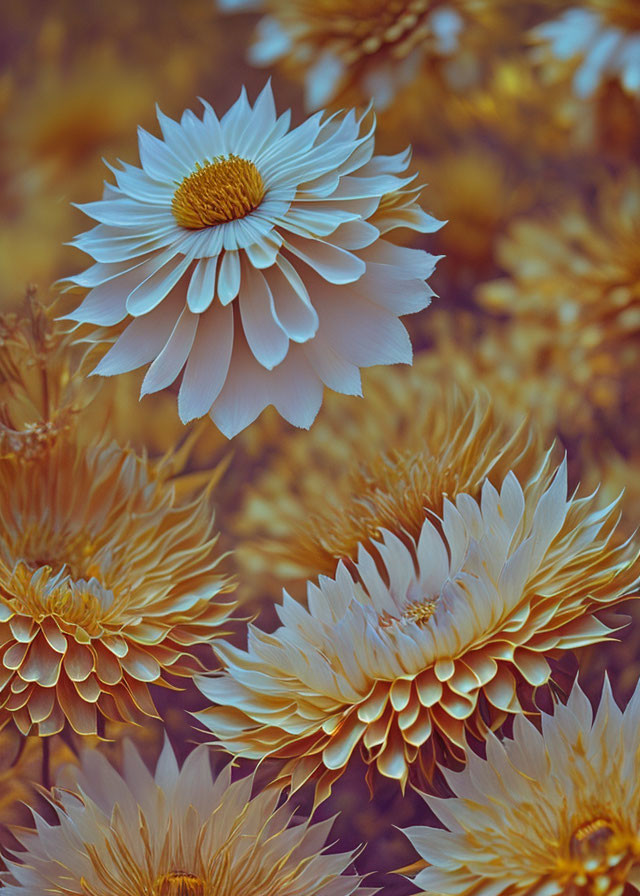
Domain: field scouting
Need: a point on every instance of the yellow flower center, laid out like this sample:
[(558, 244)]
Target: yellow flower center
[(40, 594), (590, 842), (600, 858), (420, 611), (179, 883), (222, 190)]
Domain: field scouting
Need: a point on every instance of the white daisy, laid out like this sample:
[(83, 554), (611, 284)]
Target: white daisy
[(253, 258), (606, 40)]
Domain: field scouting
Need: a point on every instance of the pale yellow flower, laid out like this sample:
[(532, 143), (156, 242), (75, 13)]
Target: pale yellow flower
[(410, 649), (572, 296), (553, 812)]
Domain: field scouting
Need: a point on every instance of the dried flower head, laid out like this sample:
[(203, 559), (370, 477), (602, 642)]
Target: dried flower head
[(556, 811), (425, 643), (253, 259), (176, 833), (106, 583), (41, 388)]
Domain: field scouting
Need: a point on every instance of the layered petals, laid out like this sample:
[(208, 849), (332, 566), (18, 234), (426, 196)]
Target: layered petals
[(284, 227), (107, 581), (423, 642)]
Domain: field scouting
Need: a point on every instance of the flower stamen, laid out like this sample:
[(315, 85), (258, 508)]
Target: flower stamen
[(218, 191), (179, 883)]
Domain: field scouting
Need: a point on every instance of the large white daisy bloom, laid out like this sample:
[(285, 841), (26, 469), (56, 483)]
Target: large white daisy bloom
[(552, 813), (605, 40), (253, 259)]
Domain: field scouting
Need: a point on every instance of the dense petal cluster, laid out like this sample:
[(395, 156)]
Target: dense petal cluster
[(106, 583), (180, 832), (253, 259), (377, 45), (572, 296), (422, 435), (421, 646), (604, 36), (555, 812)]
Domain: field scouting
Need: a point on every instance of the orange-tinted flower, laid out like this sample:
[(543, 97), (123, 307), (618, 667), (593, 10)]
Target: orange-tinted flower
[(106, 584)]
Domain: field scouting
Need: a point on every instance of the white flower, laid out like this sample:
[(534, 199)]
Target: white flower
[(252, 258), (605, 49)]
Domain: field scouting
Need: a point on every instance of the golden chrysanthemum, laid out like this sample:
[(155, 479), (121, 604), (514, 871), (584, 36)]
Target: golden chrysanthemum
[(428, 641), (176, 833), (423, 435), (552, 812), (106, 583), (573, 301)]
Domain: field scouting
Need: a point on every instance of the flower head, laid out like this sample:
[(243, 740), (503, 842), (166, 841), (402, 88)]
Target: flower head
[(556, 811), (176, 833), (253, 259), (603, 36), (422, 436), (376, 45), (106, 583), (573, 298), (426, 642)]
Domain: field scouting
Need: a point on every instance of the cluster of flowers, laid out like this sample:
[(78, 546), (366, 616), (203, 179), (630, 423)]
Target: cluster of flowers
[(440, 570)]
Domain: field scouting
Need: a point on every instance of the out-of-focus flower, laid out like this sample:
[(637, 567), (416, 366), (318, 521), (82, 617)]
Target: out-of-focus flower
[(573, 301), (377, 45), (176, 833), (422, 436), (603, 37), (41, 387), (255, 258), (425, 643), (555, 812), (478, 195), (106, 584), (21, 767)]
